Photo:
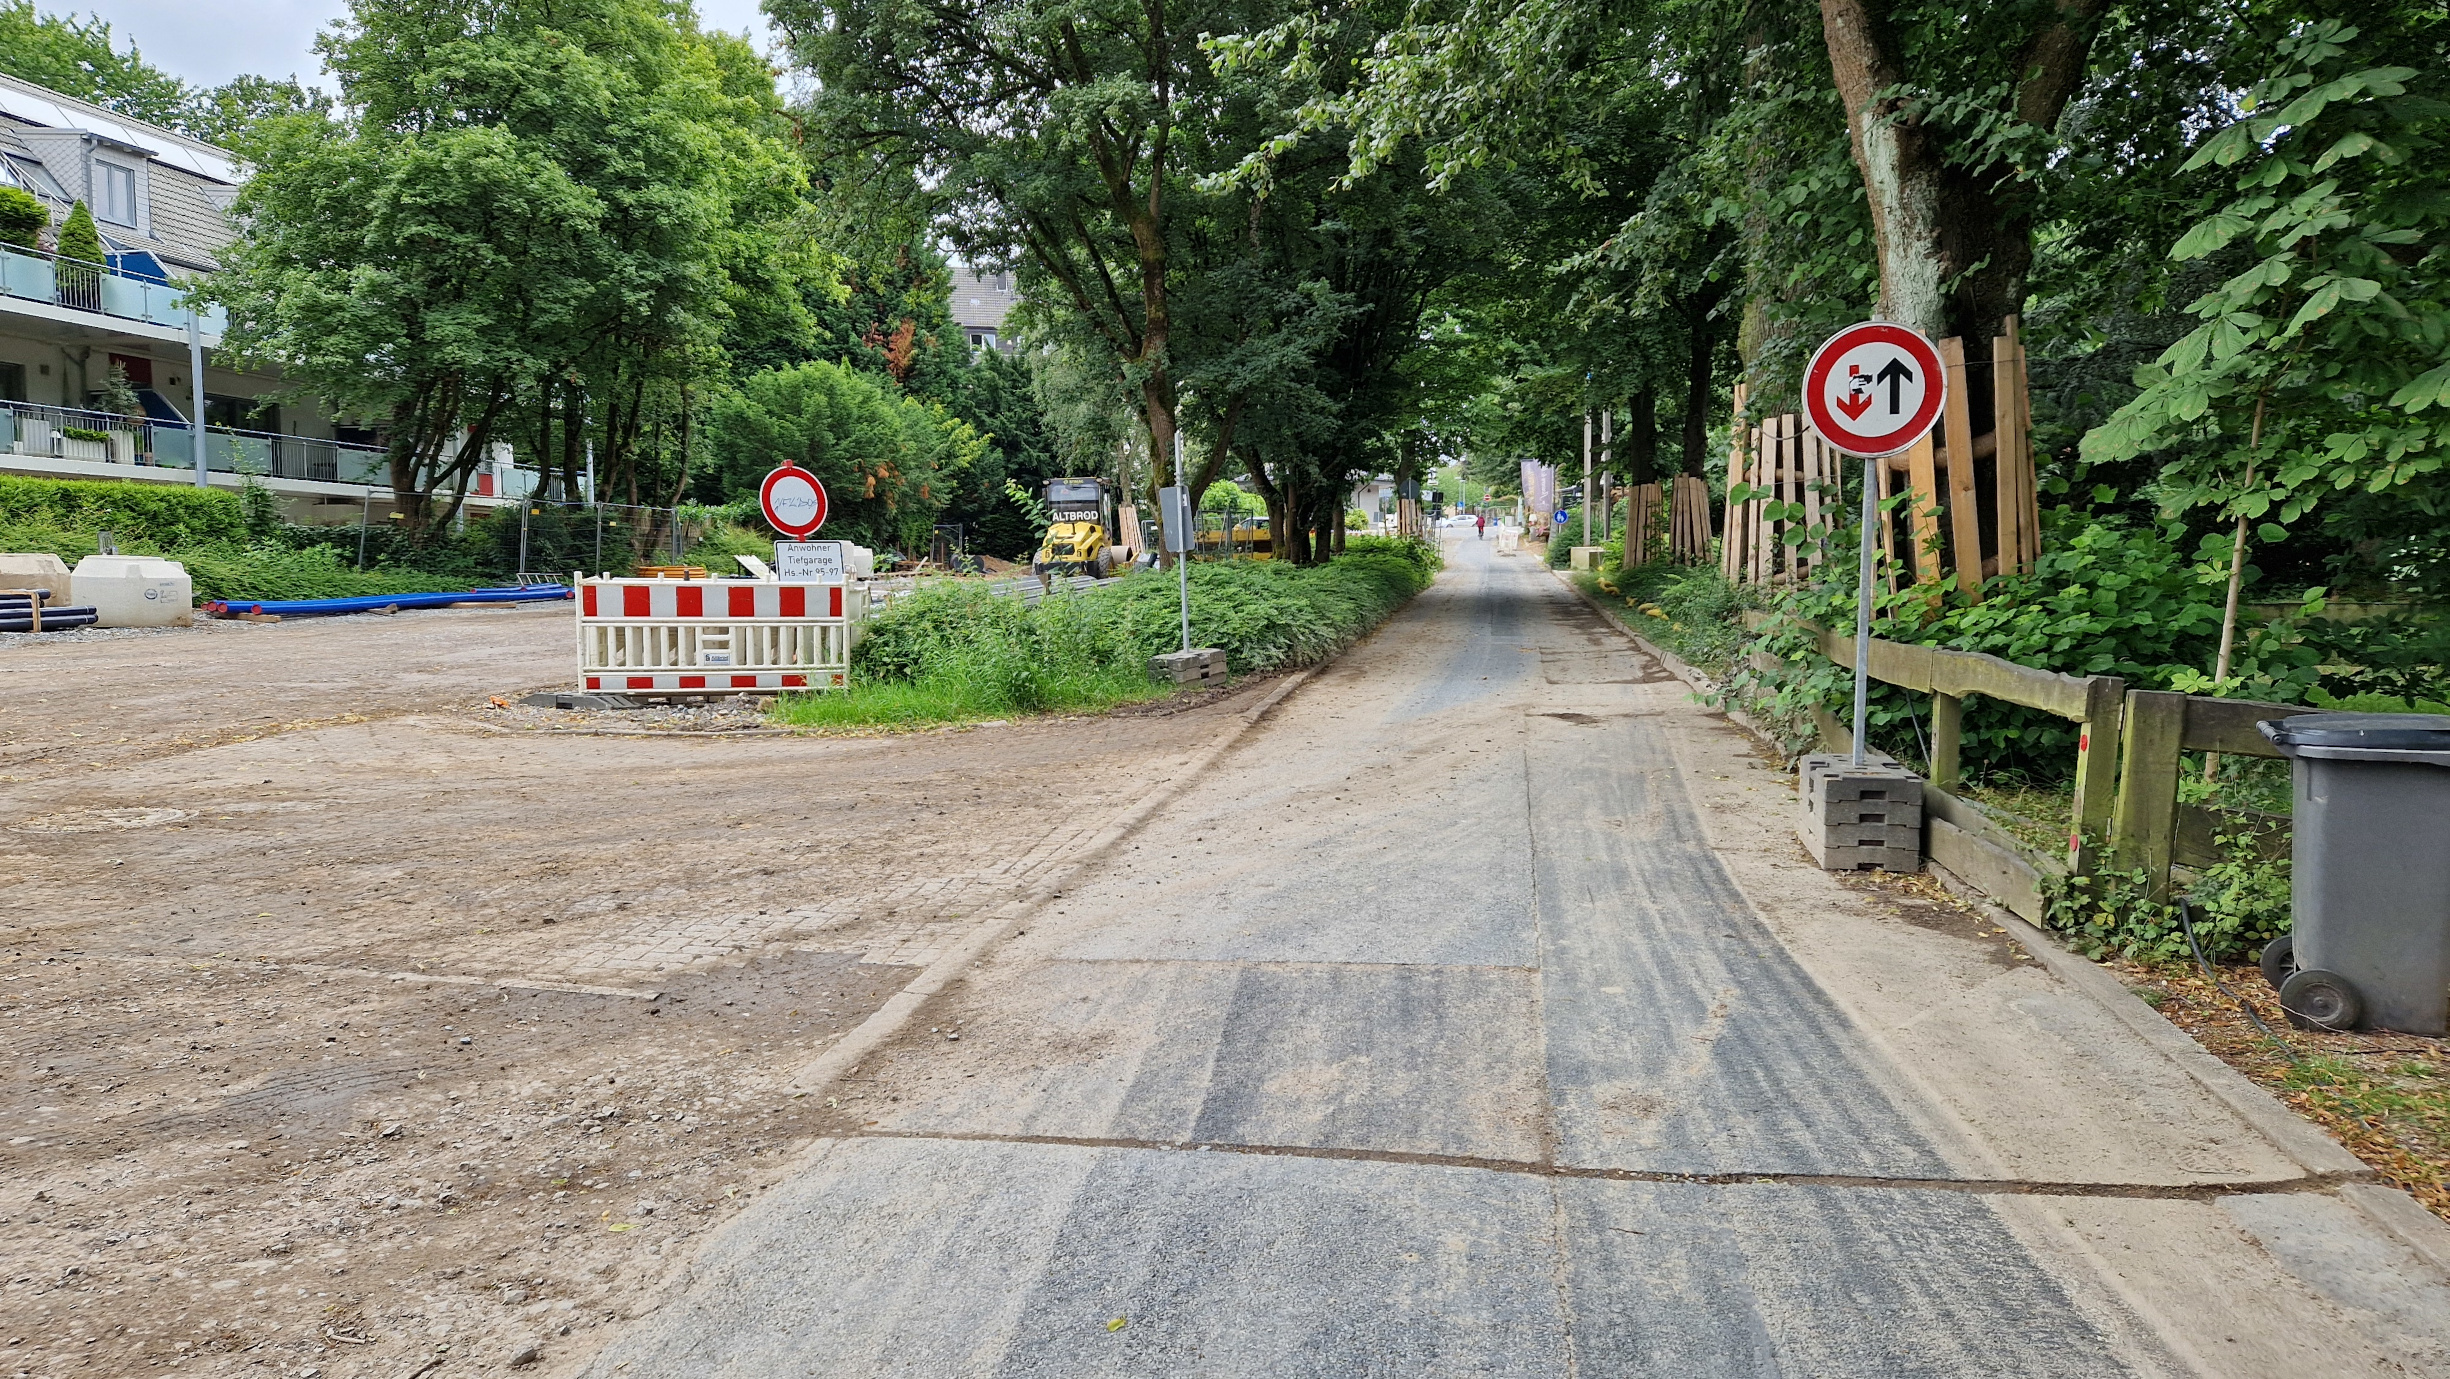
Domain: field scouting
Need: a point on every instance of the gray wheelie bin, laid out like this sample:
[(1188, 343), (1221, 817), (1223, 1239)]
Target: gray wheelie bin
[(2371, 862)]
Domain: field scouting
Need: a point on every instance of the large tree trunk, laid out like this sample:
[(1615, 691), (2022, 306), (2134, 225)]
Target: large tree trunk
[(1701, 353), (1954, 241), (1642, 438)]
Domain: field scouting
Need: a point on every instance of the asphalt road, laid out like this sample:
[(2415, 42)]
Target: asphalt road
[(1478, 1018)]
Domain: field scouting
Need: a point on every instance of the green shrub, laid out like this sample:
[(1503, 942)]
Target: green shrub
[(2240, 903), (956, 650), (237, 574), (1691, 610), (1564, 537), (22, 218), (79, 239), (716, 548), (167, 515), (2105, 599)]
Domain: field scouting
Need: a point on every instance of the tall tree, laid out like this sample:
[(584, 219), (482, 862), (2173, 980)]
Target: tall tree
[(533, 219), (1948, 107), (1062, 133)]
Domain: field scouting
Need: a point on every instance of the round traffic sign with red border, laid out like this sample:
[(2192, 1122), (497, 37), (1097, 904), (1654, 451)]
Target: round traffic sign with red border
[(793, 500), (1874, 389)]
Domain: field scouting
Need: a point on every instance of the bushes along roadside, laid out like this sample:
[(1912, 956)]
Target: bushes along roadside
[(954, 650)]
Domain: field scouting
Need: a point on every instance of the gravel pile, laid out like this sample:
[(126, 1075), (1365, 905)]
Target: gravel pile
[(713, 715)]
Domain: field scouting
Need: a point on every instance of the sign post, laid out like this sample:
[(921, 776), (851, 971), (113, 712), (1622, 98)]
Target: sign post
[(1872, 390), (794, 504), (1178, 536)]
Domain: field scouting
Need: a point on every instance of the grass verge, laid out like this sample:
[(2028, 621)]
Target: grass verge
[(1687, 609), (954, 652)]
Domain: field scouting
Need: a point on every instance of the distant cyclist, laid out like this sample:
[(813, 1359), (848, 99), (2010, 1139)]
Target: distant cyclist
[(1483, 533)]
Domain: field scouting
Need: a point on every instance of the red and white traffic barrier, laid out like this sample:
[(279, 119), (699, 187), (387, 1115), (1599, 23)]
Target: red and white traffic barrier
[(671, 636)]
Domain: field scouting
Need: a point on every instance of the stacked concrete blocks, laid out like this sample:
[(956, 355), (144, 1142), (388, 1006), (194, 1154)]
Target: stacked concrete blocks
[(1199, 666), (1860, 818)]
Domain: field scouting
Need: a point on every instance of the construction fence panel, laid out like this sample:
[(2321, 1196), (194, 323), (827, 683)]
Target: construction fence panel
[(677, 636)]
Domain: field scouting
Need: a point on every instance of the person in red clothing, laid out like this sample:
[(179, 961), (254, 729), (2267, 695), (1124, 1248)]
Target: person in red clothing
[(1483, 533)]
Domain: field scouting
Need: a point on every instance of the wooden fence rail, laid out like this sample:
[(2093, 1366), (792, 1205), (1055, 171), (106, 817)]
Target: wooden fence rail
[(2150, 829), (2130, 751)]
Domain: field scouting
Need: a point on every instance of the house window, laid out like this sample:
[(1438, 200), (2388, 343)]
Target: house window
[(13, 382), (115, 193)]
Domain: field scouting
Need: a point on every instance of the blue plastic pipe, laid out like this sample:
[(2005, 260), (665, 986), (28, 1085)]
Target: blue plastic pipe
[(367, 603)]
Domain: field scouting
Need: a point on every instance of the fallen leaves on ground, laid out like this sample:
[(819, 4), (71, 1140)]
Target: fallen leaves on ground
[(2384, 1096)]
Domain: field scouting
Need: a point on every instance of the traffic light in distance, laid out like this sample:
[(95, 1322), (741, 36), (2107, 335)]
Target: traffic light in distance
[(1437, 495)]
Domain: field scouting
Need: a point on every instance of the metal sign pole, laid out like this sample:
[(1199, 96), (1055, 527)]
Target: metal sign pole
[(195, 392), (1863, 603), (1182, 558)]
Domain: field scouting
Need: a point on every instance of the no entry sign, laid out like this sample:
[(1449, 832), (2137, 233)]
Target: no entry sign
[(793, 500), (1874, 389)]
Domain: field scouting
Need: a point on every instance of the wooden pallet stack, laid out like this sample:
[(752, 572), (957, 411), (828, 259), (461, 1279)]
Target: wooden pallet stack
[(1688, 536), (1793, 481), (1967, 521), (1644, 512)]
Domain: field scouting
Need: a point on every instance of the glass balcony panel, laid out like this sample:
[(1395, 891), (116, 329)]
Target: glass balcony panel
[(174, 447), (124, 297), (23, 275)]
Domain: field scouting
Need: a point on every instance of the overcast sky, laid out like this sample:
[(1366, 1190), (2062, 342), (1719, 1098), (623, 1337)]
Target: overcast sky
[(208, 43)]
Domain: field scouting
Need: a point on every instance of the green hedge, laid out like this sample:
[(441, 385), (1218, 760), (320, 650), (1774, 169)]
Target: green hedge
[(955, 650), (228, 554), (166, 516), (1264, 615)]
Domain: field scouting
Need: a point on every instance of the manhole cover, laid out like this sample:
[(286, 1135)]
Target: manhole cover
[(101, 820)]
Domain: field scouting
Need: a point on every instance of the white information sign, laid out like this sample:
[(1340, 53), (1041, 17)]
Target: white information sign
[(808, 560)]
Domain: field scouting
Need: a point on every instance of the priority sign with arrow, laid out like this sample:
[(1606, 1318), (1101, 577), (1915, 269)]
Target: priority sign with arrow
[(1874, 389)]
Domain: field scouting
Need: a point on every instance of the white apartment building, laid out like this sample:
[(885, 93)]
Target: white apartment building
[(160, 200)]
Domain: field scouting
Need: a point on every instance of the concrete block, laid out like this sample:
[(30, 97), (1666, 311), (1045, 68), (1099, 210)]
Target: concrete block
[(40, 570), (1892, 798), (1199, 666), (1833, 776), (1832, 855), (1586, 557), (1834, 835), (1855, 818)]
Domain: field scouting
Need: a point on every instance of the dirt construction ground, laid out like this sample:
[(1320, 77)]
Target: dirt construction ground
[(350, 1031)]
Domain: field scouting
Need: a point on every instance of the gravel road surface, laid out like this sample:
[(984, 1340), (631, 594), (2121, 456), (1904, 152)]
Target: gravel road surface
[(1480, 1014)]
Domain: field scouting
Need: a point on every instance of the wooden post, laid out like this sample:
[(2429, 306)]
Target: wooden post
[(1923, 481), (1735, 475), (1816, 471), (2012, 462), (2096, 769), (1764, 437), (1947, 724), (2146, 819), (1886, 474), (1964, 513), (1790, 490)]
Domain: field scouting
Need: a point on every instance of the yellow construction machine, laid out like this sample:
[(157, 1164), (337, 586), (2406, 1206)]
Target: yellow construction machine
[(1078, 542)]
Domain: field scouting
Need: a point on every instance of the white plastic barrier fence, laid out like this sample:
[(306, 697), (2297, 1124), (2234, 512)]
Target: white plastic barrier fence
[(672, 636)]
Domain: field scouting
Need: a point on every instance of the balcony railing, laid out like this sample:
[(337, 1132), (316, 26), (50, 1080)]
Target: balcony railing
[(37, 276), (28, 428)]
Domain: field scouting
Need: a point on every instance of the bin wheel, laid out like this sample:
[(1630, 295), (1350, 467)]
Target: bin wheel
[(2279, 960), (2315, 999)]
